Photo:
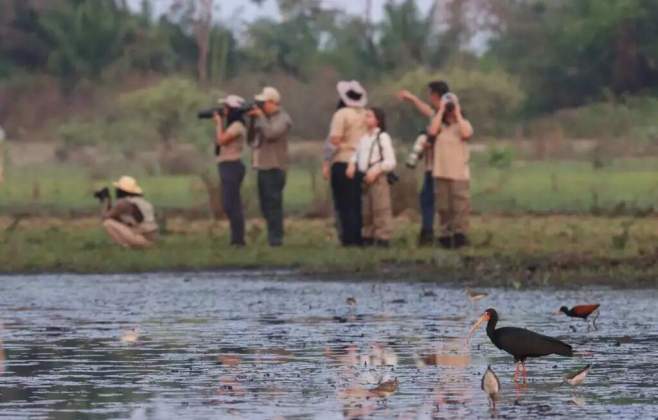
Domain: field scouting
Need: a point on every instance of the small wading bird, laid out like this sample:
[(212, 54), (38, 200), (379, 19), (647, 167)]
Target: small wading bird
[(474, 295), (385, 389), (583, 312), (519, 342), (577, 377), (491, 385)]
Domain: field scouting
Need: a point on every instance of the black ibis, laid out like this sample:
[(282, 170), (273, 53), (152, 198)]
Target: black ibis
[(491, 385), (519, 342), (577, 377), (583, 312)]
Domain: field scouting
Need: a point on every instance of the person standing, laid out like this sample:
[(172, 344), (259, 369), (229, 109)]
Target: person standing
[(373, 160), (2, 155), (451, 171), (268, 135), (231, 133), (348, 126), (436, 90)]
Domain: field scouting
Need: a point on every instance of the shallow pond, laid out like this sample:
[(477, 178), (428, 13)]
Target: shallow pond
[(263, 345)]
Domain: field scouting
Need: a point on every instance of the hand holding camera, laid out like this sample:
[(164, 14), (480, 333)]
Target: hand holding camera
[(102, 194)]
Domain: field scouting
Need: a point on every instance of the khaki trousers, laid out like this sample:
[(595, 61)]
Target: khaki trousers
[(453, 205), (125, 236), (377, 212)]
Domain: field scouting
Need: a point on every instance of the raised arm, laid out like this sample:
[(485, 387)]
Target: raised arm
[(465, 127), (421, 106), (222, 136), (274, 128)]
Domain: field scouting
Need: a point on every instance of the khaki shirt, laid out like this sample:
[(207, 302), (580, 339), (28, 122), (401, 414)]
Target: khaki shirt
[(271, 132), (233, 150), (350, 125), (451, 154)]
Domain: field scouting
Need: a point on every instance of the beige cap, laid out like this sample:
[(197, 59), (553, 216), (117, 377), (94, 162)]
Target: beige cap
[(234, 101), (128, 184), (269, 94)]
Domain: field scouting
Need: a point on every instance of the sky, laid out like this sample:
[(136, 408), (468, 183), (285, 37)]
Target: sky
[(239, 11)]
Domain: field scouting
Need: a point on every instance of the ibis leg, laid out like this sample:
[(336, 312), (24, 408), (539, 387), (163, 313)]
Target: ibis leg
[(525, 373), (516, 372)]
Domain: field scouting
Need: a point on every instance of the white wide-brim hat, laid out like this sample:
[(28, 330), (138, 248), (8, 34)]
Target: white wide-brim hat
[(352, 93), (233, 101), (128, 184)]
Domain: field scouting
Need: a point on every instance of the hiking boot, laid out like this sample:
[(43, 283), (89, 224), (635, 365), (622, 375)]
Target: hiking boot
[(426, 238), (368, 242), (445, 242), (380, 243), (460, 240)]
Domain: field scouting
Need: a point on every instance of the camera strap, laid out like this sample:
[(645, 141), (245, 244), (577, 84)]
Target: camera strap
[(381, 151)]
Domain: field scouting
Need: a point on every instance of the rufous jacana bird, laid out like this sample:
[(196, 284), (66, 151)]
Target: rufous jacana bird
[(583, 312), (519, 342)]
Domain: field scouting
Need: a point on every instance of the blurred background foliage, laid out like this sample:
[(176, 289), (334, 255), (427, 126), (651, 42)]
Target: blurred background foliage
[(110, 88)]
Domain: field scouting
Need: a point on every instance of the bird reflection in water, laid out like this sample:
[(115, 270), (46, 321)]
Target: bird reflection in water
[(359, 372)]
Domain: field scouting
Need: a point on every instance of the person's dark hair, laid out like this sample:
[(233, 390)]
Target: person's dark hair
[(438, 87), (123, 194), (380, 115), (233, 115), (340, 105), (355, 96)]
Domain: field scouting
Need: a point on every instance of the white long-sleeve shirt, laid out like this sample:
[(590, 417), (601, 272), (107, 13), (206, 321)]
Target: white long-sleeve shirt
[(368, 155)]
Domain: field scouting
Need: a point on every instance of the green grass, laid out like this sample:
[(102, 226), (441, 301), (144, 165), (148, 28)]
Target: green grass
[(534, 186), (512, 251), (63, 189)]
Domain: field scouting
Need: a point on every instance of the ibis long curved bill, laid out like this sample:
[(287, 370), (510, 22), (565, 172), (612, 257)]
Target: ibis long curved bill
[(480, 321)]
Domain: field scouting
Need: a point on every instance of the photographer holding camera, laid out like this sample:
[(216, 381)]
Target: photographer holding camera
[(231, 133), (268, 135), (451, 171), (131, 221), (423, 148)]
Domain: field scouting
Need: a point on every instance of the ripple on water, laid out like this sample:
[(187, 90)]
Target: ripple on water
[(256, 346)]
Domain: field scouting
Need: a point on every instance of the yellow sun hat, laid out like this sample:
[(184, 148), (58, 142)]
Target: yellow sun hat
[(128, 184)]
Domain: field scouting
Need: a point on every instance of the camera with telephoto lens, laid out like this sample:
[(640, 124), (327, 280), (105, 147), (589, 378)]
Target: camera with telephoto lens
[(205, 114), (102, 194), (418, 149), (247, 106)]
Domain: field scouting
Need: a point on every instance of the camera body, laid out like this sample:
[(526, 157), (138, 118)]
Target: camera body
[(102, 194), (450, 99), (418, 149)]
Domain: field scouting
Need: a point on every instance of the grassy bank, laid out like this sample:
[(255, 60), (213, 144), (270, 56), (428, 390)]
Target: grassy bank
[(510, 251), (622, 186)]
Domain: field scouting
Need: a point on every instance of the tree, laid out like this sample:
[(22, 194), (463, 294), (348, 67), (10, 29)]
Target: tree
[(198, 15)]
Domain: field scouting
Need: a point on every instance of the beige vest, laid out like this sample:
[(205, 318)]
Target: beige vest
[(148, 224)]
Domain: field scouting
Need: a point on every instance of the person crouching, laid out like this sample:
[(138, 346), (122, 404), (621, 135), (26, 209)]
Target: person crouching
[(131, 221), (374, 159)]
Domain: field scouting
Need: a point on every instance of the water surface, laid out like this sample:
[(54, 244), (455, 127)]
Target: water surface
[(262, 345)]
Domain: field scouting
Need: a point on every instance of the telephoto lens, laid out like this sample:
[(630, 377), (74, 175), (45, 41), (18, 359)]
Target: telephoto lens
[(416, 151)]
